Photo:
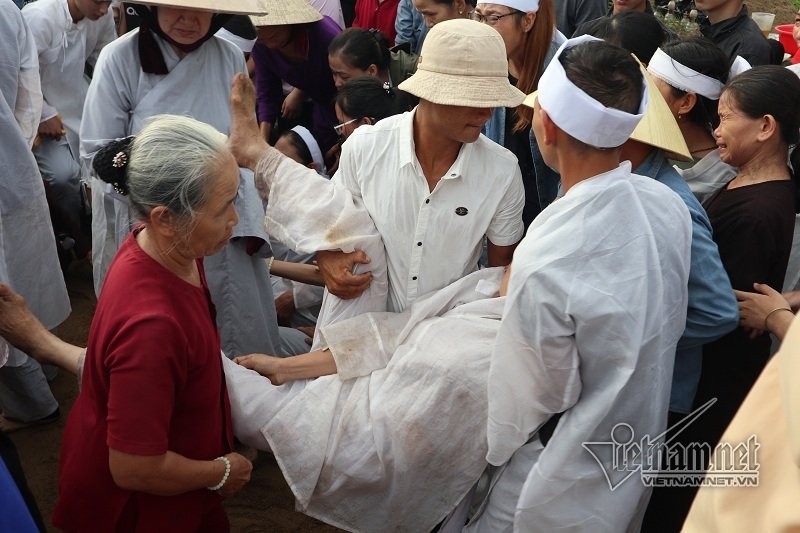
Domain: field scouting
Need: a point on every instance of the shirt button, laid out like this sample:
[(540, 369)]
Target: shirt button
[(414, 278), (428, 201), (419, 243)]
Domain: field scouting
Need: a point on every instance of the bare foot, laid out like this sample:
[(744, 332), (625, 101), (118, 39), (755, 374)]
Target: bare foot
[(245, 141), (266, 365)]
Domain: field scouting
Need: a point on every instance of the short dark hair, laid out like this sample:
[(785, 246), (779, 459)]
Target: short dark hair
[(605, 72), (366, 96), (300, 146), (639, 33), (703, 56)]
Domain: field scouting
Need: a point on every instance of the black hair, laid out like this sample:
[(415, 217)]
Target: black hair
[(605, 72), (639, 33), (299, 145), (771, 90), (366, 96), (241, 26), (361, 48), (110, 163), (703, 56)]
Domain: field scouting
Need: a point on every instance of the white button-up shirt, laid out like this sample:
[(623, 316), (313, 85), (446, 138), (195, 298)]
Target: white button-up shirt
[(432, 238)]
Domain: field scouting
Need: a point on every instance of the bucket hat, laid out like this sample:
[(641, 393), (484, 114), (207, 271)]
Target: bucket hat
[(463, 62)]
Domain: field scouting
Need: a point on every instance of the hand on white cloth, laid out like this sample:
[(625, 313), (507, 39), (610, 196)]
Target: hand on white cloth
[(337, 271)]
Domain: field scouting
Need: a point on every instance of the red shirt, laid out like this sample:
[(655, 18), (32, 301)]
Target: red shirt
[(152, 382), (380, 15)]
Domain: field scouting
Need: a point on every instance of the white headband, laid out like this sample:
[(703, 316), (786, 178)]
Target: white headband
[(739, 65), (520, 5), (682, 77), (245, 45), (580, 115), (313, 147)]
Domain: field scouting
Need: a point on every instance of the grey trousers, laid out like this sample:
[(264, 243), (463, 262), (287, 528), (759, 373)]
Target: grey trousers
[(25, 394), (61, 174)]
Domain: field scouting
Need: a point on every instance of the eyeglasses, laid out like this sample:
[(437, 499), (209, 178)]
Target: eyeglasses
[(340, 127), (491, 20)]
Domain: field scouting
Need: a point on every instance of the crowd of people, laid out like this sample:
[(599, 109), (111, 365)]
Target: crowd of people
[(431, 254)]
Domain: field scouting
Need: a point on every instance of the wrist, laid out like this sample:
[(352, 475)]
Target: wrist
[(772, 313), (225, 475)]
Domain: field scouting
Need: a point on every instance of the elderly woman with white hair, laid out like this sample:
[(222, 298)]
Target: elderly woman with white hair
[(149, 440), (175, 64)]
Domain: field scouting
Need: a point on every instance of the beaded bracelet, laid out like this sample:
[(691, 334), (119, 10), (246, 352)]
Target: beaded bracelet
[(227, 473)]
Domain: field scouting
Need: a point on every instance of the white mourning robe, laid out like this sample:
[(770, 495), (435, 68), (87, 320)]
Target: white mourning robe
[(120, 101), (28, 260), (397, 437), (596, 304), (64, 48)]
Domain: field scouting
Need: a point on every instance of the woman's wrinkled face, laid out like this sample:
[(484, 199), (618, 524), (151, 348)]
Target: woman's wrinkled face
[(213, 223), (433, 12), (737, 133), (184, 26)]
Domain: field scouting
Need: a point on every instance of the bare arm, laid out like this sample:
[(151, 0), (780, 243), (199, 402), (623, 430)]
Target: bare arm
[(280, 370), (297, 272), (171, 473), (500, 255)]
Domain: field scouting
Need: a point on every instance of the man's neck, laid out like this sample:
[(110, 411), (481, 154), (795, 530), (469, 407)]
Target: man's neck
[(724, 12), (434, 152), (74, 12), (584, 164)]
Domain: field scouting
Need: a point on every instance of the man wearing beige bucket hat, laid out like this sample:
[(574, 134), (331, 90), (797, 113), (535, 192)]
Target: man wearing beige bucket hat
[(434, 185), (596, 304), (175, 64)]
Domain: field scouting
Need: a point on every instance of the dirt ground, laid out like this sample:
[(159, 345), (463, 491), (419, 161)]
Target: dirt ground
[(267, 503)]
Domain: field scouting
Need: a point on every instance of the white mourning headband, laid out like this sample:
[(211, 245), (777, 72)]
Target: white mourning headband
[(682, 77), (245, 45), (313, 147), (526, 6), (580, 115)]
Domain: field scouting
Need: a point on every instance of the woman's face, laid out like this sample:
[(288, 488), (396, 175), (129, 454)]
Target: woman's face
[(184, 26), (274, 37), (796, 29), (213, 224), (737, 133), (509, 27), (433, 12), (343, 72), (285, 146), (666, 91), (348, 125)]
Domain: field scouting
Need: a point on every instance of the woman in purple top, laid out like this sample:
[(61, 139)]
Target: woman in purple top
[(292, 46)]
